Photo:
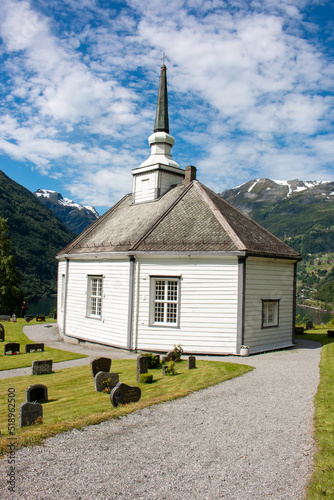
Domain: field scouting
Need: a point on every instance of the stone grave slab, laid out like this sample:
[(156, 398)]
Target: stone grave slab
[(42, 367), (2, 333), (29, 413), (100, 365), (191, 362), (37, 392), (101, 376), (124, 394), (28, 317), (34, 347), (4, 317), (12, 347), (142, 366)]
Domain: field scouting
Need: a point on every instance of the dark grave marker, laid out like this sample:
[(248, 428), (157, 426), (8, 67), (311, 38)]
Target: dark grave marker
[(12, 347), (299, 330), (28, 317), (2, 333), (124, 394), (142, 366), (34, 347), (330, 333), (100, 365), (164, 368), (29, 413), (40, 317), (191, 362), (101, 376), (37, 392), (309, 325), (42, 367), (170, 356)]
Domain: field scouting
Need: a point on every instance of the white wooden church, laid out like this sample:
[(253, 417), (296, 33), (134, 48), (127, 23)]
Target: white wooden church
[(174, 263)]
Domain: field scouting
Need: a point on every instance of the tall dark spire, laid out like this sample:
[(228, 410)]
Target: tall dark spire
[(161, 118)]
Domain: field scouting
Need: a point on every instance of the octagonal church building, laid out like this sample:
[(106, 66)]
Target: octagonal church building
[(174, 263)]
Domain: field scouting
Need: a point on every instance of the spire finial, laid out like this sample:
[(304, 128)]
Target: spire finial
[(163, 58), (161, 118)]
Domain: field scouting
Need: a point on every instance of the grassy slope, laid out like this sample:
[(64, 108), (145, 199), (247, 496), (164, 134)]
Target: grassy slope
[(14, 333), (322, 482)]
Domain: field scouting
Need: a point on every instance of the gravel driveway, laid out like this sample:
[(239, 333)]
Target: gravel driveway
[(247, 438)]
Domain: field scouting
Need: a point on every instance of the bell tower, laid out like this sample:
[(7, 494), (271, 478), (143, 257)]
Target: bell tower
[(159, 172)]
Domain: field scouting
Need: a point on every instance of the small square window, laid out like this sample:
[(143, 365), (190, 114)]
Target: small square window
[(94, 297), (270, 313)]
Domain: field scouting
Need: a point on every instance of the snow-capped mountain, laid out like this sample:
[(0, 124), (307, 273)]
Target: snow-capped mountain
[(75, 216)]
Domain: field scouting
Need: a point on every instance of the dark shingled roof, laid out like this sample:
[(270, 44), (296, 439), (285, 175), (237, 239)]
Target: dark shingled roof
[(187, 218)]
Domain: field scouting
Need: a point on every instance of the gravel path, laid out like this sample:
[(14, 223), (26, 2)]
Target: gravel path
[(247, 438)]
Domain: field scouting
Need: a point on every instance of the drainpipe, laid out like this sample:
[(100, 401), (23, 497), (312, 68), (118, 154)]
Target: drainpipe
[(65, 294), (137, 304), (294, 298), (241, 302), (131, 297)]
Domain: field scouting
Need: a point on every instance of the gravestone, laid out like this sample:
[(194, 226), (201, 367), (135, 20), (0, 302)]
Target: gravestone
[(28, 317), (12, 347), (29, 413), (42, 367), (330, 333), (124, 394), (4, 317), (191, 362), (34, 347), (101, 376), (164, 368), (100, 365), (40, 317), (309, 325), (299, 330), (36, 392), (2, 333), (142, 366), (170, 356)]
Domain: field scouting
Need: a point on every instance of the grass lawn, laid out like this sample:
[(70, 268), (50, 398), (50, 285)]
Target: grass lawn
[(74, 403), (322, 481), (14, 333)]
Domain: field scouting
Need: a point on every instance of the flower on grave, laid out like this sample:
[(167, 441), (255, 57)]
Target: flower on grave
[(39, 350), (107, 385), (32, 350), (9, 352), (15, 352)]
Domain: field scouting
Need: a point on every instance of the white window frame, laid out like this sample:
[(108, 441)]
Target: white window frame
[(169, 307), (270, 313), (94, 296)]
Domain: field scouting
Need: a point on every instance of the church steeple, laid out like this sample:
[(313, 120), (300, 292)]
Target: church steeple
[(161, 117), (159, 172)]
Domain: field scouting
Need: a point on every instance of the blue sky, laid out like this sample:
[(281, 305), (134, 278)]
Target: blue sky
[(250, 91)]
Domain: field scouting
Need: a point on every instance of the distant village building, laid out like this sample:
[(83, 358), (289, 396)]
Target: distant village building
[(174, 263)]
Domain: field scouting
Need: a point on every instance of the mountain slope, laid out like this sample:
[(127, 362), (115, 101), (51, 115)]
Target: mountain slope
[(37, 235), (76, 217)]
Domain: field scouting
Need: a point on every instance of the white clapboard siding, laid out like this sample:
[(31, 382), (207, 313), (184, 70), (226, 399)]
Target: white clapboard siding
[(208, 305), (111, 329), (268, 279)]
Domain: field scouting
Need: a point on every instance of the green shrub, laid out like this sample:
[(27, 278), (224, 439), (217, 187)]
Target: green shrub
[(170, 368), (146, 378), (178, 351), (153, 360)]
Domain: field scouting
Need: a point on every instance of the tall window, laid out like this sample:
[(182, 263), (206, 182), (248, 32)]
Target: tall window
[(94, 296), (270, 310), (165, 301)]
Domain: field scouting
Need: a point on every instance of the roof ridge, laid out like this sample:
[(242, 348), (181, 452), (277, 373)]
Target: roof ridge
[(219, 216), (271, 235), (162, 217), (91, 227)]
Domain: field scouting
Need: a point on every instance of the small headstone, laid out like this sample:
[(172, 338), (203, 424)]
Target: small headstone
[(164, 368), (142, 366), (42, 367), (299, 330), (191, 362), (124, 394), (12, 347), (4, 317), (2, 333), (37, 392), (28, 317), (170, 356), (29, 413), (330, 333), (40, 317), (309, 325), (34, 347), (101, 376), (100, 365)]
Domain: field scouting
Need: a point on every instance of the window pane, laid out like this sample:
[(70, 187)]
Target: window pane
[(159, 290), (172, 290), (159, 311), (171, 313)]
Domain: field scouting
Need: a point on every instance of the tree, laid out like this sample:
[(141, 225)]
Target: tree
[(10, 295)]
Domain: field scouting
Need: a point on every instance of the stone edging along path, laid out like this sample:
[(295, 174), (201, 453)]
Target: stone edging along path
[(247, 438)]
